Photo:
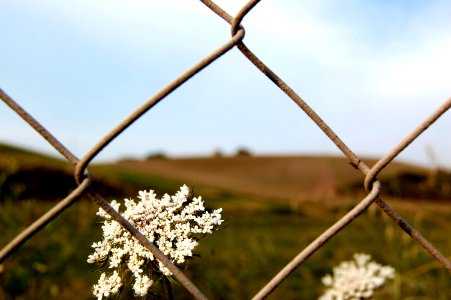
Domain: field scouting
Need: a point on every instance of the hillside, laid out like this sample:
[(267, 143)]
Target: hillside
[(25, 174), (283, 177)]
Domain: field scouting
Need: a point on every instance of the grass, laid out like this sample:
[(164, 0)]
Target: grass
[(236, 261)]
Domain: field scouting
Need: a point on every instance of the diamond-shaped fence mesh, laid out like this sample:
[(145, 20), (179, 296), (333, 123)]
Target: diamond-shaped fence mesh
[(84, 179)]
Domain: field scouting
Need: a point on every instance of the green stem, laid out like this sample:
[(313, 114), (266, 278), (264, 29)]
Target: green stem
[(167, 288)]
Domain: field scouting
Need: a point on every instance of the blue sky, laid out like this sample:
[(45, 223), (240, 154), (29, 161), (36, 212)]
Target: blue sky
[(371, 69)]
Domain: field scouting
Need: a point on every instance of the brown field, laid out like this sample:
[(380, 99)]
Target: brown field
[(279, 177), (294, 178)]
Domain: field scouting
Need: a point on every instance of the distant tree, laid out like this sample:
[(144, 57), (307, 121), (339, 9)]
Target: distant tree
[(156, 155), (243, 152), (218, 153)]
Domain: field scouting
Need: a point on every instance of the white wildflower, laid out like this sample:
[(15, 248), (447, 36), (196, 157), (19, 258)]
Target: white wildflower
[(357, 279), (142, 285), (107, 285), (173, 223)]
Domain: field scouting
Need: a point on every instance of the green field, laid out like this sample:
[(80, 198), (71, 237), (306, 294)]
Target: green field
[(261, 235)]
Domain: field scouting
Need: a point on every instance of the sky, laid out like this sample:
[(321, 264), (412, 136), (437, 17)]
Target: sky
[(373, 70)]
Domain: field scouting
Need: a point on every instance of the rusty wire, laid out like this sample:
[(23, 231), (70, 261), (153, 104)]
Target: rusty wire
[(83, 178)]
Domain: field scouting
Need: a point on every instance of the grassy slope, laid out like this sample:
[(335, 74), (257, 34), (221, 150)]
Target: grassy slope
[(10, 156), (26, 174)]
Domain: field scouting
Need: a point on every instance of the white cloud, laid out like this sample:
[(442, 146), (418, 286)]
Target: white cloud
[(407, 57), (425, 71)]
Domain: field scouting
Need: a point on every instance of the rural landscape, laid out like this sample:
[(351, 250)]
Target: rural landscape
[(273, 206)]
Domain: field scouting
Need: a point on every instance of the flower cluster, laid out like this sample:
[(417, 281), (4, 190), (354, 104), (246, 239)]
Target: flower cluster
[(357, 279), (173, 223)]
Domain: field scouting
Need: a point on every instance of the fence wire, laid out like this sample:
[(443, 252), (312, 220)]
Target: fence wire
[(84, 180)]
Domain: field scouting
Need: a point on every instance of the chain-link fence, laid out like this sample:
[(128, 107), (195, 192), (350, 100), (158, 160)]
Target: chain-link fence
[(84, 179)]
